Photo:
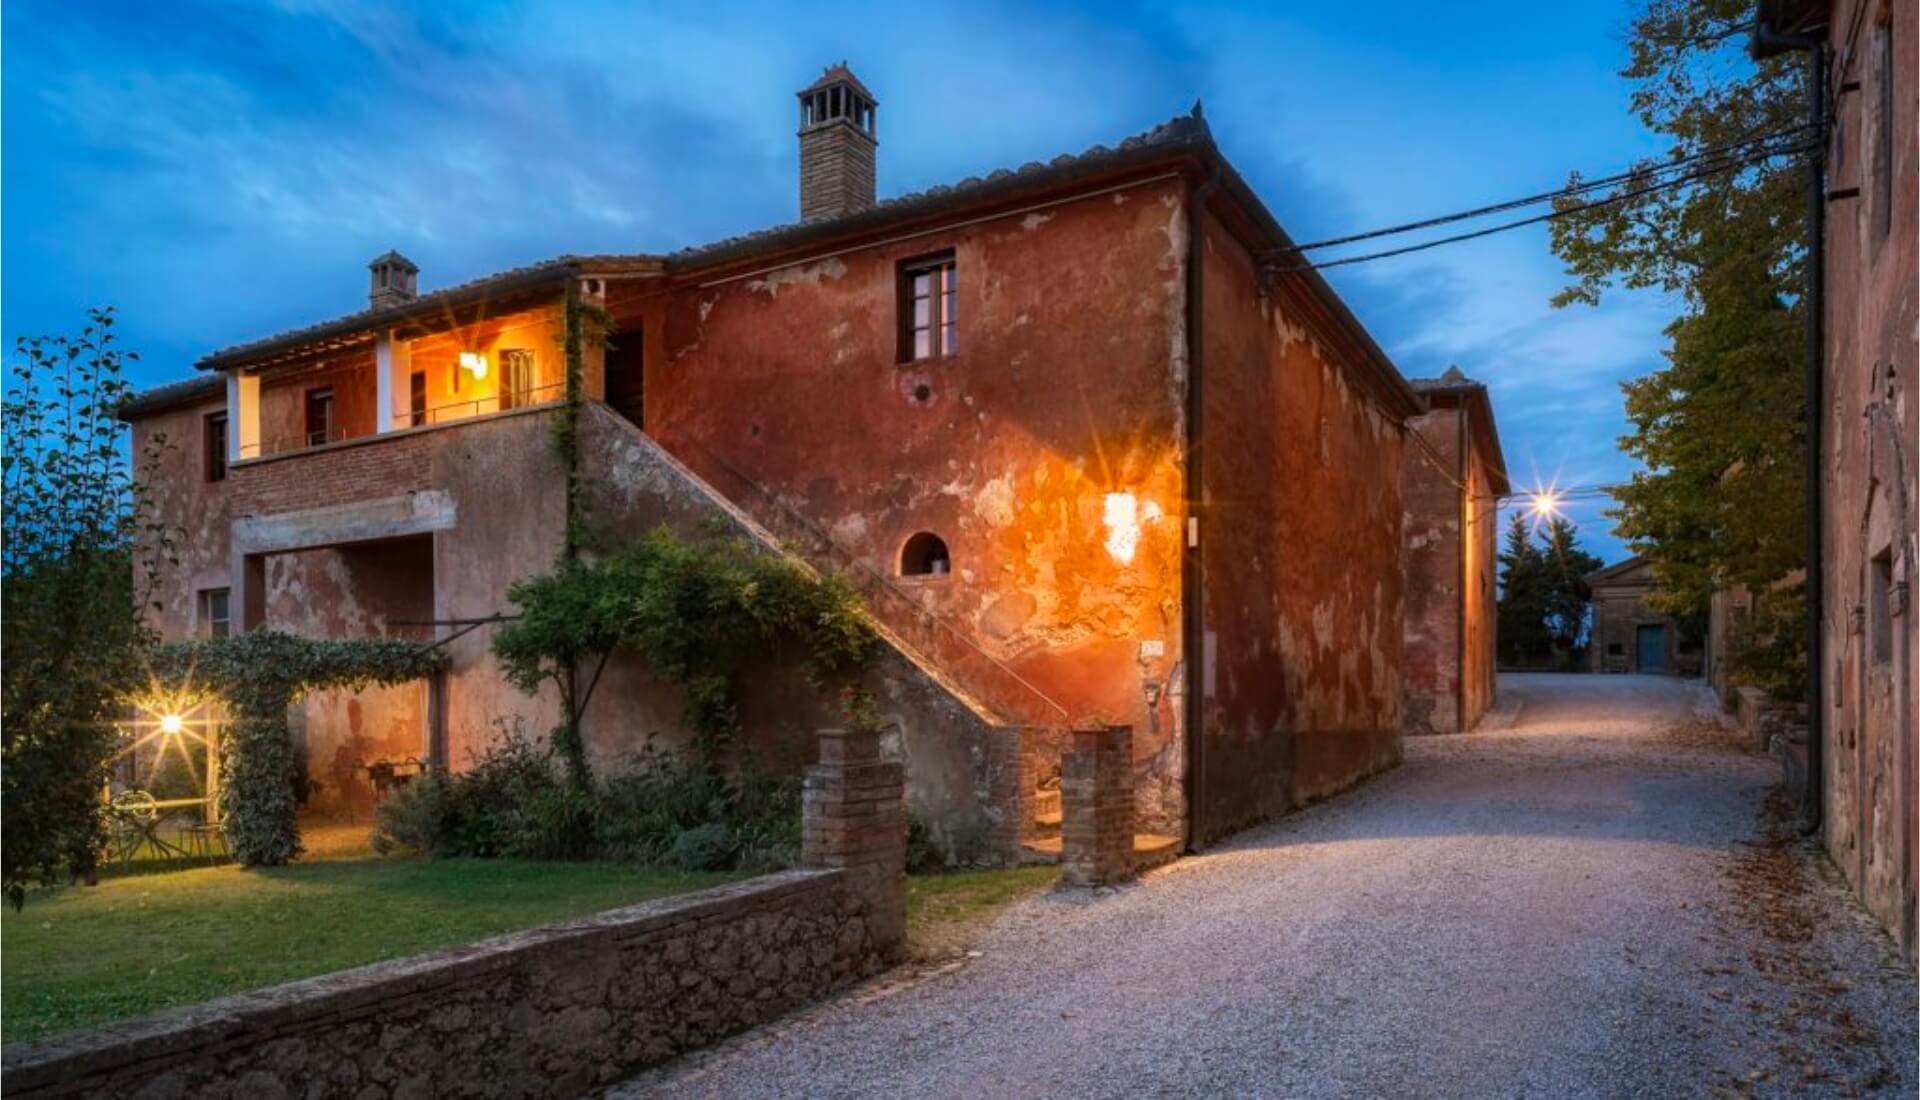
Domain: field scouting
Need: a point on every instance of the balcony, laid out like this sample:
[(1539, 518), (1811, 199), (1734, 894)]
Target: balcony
[(388, 384)]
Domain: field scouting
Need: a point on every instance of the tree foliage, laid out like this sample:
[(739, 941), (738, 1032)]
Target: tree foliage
[(1543, 600), (1719, 427), (256, 676), (696, 611), (76, 566)]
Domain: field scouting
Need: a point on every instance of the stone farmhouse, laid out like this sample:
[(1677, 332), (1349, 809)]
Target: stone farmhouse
[(1453, 489), (1094, 446)]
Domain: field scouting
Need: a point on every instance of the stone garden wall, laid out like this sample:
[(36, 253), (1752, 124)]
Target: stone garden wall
[(553, 1011)]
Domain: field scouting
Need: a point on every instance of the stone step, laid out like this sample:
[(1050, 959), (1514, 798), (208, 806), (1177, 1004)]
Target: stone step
[(1046, 802), (1040, 850), (1044, 822), (1152, 850)]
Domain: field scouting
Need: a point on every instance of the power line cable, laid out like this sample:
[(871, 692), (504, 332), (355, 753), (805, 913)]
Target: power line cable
[(1550, 216), (1581, 188)]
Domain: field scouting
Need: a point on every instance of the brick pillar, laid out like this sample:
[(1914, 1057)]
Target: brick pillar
[(854, 816), (1096, 807)]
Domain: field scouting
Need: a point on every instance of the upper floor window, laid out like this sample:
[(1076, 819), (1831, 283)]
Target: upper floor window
[(213, 441), (319, 415), (927, 299), (417, 398)]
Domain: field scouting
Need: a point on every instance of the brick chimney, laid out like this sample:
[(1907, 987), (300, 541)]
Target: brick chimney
[(392, 281), (837, 145)]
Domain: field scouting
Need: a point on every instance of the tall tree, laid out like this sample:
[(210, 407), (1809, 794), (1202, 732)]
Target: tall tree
[(1565, 591), (1522, 617), (71, 628), (1718, 427)]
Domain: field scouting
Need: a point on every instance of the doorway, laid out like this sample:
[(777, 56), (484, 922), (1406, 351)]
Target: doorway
[(626, 376), (1651, 647)]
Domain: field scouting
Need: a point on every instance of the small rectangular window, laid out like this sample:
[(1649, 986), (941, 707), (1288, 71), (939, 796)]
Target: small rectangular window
[(214, 440), (417, 398), (215, 620), (319, 415), (928, 308)]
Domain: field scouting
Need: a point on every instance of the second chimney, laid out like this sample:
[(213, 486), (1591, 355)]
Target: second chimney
[(837, 145), (392, 281)]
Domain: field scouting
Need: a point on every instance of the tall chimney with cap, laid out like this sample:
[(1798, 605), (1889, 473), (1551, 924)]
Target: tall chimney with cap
[(392, 281), (837, 145)]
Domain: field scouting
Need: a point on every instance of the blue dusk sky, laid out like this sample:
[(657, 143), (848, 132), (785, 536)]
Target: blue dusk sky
[(222, 171)]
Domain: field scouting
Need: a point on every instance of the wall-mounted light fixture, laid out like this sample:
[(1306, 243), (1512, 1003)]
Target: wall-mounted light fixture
[(474, 363), (1124, 516)]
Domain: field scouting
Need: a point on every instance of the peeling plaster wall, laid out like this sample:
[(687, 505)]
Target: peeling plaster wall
[(1435, 606), (958, 758), (1300, 547), (283, 402), (1870, 452), (509, 492), (784, 390), (1479, 604), (197, 510), (358, 591)]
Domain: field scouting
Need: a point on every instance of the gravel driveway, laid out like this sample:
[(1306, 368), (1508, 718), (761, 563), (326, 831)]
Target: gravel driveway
[(1596, 900)]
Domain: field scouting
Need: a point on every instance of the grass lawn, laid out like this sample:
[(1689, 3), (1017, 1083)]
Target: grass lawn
[(82, 956), (946, 913)]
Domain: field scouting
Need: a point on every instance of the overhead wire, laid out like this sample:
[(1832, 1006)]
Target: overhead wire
[(1724, 165)]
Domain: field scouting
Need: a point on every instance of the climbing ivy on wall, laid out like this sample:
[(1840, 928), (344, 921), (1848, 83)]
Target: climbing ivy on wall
[(257, 676), (586, 325), (696, 611)]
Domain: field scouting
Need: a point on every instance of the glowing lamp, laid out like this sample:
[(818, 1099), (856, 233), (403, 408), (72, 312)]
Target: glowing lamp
[(171, 723), (474, 363), (1123, 517), (1545, 504)]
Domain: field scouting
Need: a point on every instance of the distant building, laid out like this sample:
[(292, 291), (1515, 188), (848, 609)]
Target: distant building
[(1629, 633), (1454, 483)]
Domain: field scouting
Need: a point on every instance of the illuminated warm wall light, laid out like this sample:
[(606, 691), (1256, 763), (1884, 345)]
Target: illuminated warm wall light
[(1124, 516), (172, 723), (474, 363)]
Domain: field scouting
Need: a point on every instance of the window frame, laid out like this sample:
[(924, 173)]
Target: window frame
[(207, 617), (213, 445), (417, 397), (319, 397), (942, 327), (512, 361)]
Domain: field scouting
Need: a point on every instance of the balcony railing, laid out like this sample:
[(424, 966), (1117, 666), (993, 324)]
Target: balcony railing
[(481, 406), (450, 413)]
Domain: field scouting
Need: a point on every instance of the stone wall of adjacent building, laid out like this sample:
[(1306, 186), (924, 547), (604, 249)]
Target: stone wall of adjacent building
[(1431, 657), (1870, 452)]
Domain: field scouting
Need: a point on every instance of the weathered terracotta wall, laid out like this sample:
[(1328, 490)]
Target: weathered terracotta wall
[(1435, 614), (509, 492), (784, 390), (196, 509), (283, 403), (1869, 455), (366, 590), (1480, 602), (1300, 547), (957, 757)]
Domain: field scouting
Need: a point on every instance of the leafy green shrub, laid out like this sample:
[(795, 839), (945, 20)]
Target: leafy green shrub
[(708, 847), (514, 802)]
